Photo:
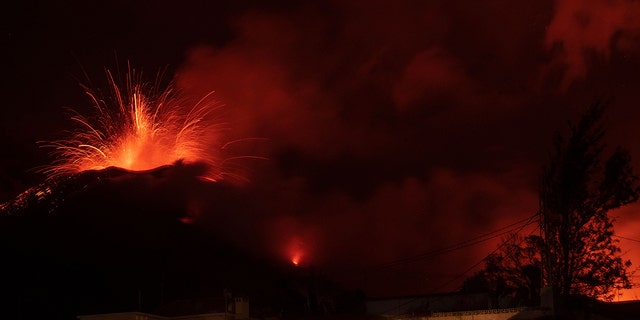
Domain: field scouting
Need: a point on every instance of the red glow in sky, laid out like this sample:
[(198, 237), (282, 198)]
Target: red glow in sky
[(393, 129), (403, 128)]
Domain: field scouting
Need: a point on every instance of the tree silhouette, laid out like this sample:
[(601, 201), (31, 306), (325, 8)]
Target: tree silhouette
[(513, 271), (575, 253), (578, 190)]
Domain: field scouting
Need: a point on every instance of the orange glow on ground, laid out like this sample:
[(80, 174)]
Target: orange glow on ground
[(140, 129)]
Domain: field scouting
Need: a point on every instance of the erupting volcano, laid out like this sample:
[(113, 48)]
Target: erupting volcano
[(141, 128)]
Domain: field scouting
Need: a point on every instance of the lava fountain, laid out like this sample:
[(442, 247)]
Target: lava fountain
[(141, 128)]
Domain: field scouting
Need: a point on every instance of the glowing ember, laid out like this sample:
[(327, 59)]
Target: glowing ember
[(140, 130)]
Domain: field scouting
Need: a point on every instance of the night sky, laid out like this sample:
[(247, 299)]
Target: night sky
[(391, 128)]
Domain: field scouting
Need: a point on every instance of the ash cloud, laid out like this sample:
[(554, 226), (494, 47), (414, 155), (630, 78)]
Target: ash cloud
[(372, 113), (391, 129), (586, 32)]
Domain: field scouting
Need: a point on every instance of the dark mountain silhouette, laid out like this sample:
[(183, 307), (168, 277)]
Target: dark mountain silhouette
[(115, 240)]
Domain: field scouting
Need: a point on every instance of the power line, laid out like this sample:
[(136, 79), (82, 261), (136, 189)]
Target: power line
[(625, 238), (492, 252), (519, 225), (530, 220), (460, 245)]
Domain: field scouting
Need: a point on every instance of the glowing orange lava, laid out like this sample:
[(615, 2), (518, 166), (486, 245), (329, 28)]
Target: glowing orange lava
[(141, 129), (296, 251), (295, 260)]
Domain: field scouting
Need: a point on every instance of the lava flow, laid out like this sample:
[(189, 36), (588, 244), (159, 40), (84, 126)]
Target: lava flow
[(141, 128)]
